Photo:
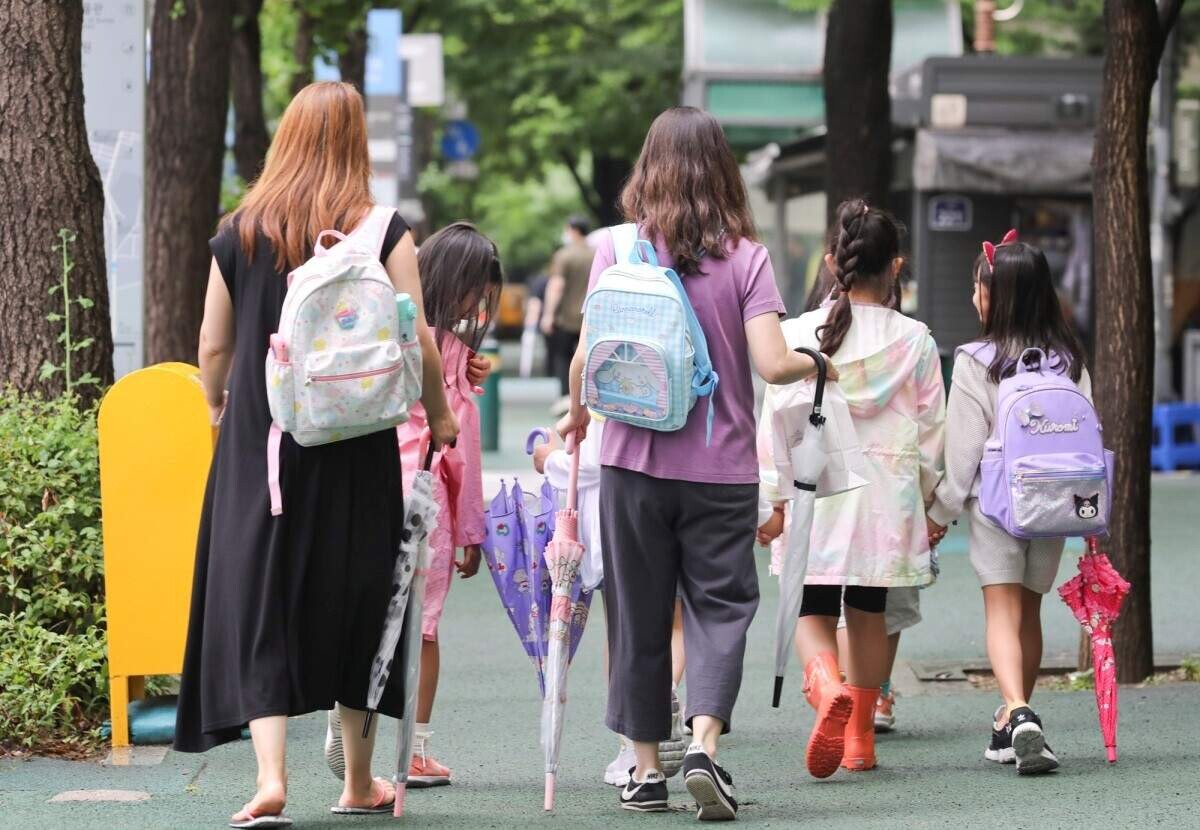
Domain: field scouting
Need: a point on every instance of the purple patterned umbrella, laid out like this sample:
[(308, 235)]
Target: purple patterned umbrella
[(519, 526)]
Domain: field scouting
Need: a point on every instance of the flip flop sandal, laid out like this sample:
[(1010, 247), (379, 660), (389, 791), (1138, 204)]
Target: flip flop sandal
[(266, 820), (378, 785)]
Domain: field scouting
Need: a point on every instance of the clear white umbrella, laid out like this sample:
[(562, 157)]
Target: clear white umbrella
[(404, 611), (808, 460)]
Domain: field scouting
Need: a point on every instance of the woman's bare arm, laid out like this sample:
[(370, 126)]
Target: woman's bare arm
[(217, 339)]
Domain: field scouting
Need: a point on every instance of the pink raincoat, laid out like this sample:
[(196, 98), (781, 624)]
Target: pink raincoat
[(458, 478)]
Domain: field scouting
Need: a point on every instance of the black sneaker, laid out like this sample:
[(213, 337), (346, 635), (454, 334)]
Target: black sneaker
[(1000, 749), (1029, 743), (646, 796), (710, 785)]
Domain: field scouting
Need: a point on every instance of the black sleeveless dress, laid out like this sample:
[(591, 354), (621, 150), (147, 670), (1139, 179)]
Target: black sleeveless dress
[(286, 610)]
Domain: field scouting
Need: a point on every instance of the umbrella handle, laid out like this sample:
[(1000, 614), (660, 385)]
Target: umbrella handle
[(425, 450), (573, 481), (532, 441), (822, 371)]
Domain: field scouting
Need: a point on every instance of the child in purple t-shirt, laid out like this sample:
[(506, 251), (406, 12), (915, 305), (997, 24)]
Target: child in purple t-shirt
[(676, 509)]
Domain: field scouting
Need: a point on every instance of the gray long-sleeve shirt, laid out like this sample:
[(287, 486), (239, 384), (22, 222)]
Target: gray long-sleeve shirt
[(969, 415)]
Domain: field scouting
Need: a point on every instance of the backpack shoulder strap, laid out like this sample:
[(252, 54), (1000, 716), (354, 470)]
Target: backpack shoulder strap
[(369, 234), (625, 239), (704, 377)]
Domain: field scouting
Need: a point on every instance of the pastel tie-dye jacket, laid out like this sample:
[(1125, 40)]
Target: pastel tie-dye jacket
[(891, 377)]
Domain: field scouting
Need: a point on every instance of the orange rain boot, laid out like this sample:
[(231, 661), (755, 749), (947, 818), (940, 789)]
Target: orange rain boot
[(860, 731), (825, 692)]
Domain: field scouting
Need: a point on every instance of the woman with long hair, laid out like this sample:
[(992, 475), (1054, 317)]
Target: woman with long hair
[(287, 610), (676, 510)]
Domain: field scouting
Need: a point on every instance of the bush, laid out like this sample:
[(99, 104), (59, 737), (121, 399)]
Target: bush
[(53, 679), (53, 687)]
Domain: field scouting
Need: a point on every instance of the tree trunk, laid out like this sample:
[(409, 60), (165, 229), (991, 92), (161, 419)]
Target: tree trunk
[(49, 181), (1124, 370), (608, 177), (185, 145), (858, 109), (250, 136), (352, 59), (302, 52)]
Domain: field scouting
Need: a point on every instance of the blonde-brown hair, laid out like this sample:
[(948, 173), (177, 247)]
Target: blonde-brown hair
[(686, 189), (317, 175)]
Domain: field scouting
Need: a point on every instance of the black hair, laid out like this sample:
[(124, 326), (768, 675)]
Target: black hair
[(1024, 312), (460, 282), (864, 242), (580, 223)]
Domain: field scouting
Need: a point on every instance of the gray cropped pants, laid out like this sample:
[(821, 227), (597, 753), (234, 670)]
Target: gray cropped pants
[(658, 533)]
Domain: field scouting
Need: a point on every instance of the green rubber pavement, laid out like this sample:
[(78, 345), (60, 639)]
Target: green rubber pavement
[(486, 722), (931, 770)]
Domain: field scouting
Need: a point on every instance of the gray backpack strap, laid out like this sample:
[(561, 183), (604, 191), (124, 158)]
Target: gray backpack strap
[(624, 241)]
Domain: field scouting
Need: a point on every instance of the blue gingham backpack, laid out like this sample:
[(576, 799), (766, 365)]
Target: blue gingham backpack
[(647, 359)]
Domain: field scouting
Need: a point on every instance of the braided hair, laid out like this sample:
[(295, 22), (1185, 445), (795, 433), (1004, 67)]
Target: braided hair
[(863, 244)]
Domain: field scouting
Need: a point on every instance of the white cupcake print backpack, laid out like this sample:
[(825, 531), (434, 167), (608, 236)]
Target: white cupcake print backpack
[(345, 361)]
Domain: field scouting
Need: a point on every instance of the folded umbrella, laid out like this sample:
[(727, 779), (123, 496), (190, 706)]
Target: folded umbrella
[(564, 556), (1094, 596), (516, 572), (807, 462)]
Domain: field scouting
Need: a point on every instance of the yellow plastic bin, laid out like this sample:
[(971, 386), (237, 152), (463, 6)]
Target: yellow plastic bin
[(156, 444)]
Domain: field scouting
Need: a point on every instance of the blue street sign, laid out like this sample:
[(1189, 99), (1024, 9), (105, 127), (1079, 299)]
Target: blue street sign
[(383, 52), (460, 141)]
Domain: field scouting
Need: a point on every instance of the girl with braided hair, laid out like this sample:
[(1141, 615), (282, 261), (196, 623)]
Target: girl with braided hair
[(874, 538)]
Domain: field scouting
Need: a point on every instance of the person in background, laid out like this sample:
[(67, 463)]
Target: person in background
[(562, 311)]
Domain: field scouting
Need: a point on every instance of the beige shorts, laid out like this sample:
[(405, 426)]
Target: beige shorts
[(902, 610), (1000, 559)]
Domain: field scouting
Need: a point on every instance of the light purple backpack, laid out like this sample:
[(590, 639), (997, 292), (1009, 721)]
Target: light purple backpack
[(1045, 472)]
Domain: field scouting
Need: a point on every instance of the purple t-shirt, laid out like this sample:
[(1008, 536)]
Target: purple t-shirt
[(729, 292)]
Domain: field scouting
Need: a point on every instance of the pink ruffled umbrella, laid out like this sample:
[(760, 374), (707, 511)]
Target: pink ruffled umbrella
[(1095, 595)]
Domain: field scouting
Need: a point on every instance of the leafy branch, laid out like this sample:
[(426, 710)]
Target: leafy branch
[(66, 238)]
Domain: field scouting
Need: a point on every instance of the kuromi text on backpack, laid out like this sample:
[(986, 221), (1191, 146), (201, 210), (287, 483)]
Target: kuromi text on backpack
[(647, 358), (1045, 472), (345, 361)]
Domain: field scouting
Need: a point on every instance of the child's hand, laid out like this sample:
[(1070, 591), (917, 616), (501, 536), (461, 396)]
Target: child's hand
[(936, 532), (478, 369), (771, 528), (576, 420), (540, 452), (468, 566)]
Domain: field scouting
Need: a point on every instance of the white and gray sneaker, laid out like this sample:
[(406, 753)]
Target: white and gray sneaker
[(1029, 743), (672, 750), (617, 772), (1000, 747), (334, 756), (646, 796), (710, 785)]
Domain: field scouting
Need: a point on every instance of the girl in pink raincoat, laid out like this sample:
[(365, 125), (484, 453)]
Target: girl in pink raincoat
[(460, 282), (460, 285)]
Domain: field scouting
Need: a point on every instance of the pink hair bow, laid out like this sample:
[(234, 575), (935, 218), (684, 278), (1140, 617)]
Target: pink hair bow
[(989, 250)]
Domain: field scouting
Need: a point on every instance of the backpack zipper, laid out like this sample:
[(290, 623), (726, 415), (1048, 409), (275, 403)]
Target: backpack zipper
[(351, 375)]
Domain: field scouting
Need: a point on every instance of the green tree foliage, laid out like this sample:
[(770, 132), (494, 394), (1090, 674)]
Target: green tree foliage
[(551, 84)]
